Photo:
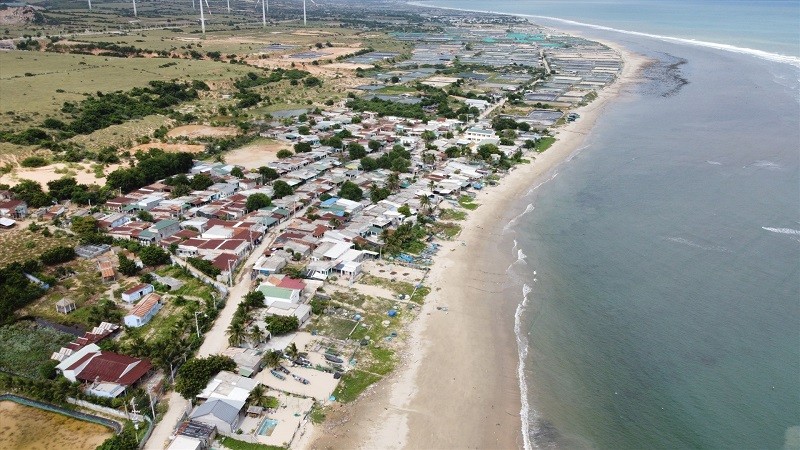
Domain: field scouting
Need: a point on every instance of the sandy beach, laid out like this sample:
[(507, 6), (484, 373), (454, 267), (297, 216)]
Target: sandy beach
[(457, 385)]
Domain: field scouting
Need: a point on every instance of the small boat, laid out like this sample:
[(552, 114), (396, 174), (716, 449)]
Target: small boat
[(300, 379), (333, 359), (277, 374)]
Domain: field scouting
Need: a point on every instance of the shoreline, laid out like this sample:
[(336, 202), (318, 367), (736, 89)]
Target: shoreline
[(461, 371)]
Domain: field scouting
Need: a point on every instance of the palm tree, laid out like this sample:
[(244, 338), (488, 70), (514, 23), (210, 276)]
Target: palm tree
[(257, 395), (425, 204), (429, 158), (393, 181), (291, 351), (431, 185), (236, 334), (257, 335), (272, 358)]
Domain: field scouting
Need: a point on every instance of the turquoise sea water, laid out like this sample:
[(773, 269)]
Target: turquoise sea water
[(663, 259)]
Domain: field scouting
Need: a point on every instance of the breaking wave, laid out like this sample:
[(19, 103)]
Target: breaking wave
[(791, 231), (513, 221), (522, 351)]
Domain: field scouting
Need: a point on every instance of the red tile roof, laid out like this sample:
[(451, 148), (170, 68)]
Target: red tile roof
[(111, 368), (145, 305), (292, 283)]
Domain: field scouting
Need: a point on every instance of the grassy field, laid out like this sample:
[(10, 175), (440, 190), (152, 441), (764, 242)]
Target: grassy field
[(36, 84), (21, 245), (27, 348), (544, 143)]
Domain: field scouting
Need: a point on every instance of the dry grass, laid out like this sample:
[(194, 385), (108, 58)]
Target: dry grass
[(20, 245)]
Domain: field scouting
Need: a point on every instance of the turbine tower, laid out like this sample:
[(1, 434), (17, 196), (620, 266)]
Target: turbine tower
[(90, 5), (304, 12), (263, 14), (134, 9), (229, 6), (193, 5), (202, 18)]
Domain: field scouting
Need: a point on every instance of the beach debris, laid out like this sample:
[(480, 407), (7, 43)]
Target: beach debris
[(386, 323)]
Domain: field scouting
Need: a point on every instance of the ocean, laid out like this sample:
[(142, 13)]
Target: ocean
[(661, 275)]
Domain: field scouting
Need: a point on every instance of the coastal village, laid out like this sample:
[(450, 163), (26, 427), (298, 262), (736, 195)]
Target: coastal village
[(224, 296)]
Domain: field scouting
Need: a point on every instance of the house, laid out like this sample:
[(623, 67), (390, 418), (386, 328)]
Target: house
[(65, 306), (226, 395), (144, 311), (137, 292), (478, 134), (14, 209), (266, 265), (165, 228), (105, 374), (186, 443), (225, 415), (279, 296)]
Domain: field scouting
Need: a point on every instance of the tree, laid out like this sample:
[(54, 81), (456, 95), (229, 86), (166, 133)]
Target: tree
[(278, 325), (351, 191), (401, 165), (302, 147), (127, 266), (335, 142), (425, 204), (31, 193), (154, 256), (57, 255), (428, 136), (254, 299), (284, 153), (303, 130), (195, 374), (83, 226), (369, 164), (237, 172), (404, 210), (356, 151), (281, 189), (374, 145), (257, 201), (453, 152), (268, 174), (256, 334), (272, 358), (201, 181), (144, 216), (291, 351), (393, 182), (62, 189), (429, 158), (236, 334), (377, 194)]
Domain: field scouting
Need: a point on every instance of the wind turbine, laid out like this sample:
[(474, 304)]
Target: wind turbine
[(134, 9), (229, 6), (90, 5), (264, 13), (304, 12)]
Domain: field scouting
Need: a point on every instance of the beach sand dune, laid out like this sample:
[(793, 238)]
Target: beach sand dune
[(457, 384)]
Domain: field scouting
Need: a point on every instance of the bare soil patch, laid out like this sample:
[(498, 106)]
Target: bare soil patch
[(196, 131), (170, 148), (257, 154)]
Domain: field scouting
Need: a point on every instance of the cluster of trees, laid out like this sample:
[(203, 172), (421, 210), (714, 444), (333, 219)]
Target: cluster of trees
[(154, 256), (151, 166), (397, 159), (95, 113), (388, 108), (182, 185), (205, 266), (401, 239), (500, 123), (252, 79), (16, 290), (237, 330), (57, 255), (82, 194), (195, 374), (278, 325), (88, 230), (281, 189)]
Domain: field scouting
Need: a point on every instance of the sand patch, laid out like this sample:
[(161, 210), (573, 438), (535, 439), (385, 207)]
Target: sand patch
[(196, 131), (257, 154), (83, 174), (170, 148), (349, 66)]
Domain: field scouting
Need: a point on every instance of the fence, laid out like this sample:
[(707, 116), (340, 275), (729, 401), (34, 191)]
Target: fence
[(116, 426)]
